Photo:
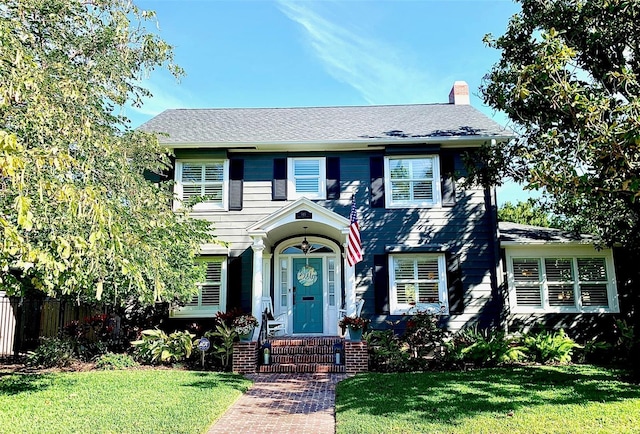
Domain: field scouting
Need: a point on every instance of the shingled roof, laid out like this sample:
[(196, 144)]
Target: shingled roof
[(514, 233), (366, 124)]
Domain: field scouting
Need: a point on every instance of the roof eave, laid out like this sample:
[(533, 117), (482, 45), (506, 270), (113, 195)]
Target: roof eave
[(358, 144), (525, 243)]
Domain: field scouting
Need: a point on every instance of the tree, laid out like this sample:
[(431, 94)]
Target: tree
[(77, 216), (568, 78), (529, 212)]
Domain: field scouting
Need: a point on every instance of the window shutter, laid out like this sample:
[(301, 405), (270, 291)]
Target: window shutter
[(559, 274), (381, 283), (593, 282), (376, 170), (236, 176), (333, 178), (448, 180), (234, 283), (455, 290), (279, 183), (526, 274)]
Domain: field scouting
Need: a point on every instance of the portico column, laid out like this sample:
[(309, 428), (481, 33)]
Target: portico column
[(350, 286), (256, 288)]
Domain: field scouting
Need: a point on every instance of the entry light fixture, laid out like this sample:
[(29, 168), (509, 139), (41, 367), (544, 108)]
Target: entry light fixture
[(304, 245)]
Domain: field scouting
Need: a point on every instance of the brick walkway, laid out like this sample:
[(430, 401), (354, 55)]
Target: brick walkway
[(283, 404)]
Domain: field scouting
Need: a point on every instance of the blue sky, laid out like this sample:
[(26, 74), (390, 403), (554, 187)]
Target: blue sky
[(284, 53)]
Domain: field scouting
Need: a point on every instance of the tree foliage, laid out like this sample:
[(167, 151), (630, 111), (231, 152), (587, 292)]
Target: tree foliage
[(76, 214), (568, 79), (529, 212)]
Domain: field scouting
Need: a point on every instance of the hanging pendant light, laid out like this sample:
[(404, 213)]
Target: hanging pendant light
[(304, 245)]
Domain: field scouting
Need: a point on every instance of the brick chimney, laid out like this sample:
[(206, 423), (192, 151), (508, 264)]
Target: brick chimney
[(459, 94)]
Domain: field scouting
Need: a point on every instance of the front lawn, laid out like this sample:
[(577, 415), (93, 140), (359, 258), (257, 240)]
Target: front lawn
[(135, 401), (569, 399)]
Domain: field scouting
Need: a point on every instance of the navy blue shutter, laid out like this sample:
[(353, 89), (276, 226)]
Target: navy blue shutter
[(381, 283), (333, 178), (279, 184), (448, 180), (376, 170), (455, 290), (236, 181), (234, 283)]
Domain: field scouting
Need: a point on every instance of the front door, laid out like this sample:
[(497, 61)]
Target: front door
[(307, 295)]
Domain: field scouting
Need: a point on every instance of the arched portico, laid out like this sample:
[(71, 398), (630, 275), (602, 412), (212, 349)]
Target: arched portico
[(307, 286)]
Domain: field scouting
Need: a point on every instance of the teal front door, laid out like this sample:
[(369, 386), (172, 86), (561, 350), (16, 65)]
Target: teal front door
[(307, 295)]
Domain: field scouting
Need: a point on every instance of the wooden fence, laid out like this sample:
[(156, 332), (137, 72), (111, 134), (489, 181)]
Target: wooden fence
[(24, 321)]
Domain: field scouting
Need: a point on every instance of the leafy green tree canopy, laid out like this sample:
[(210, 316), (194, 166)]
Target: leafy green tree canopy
[(568, 79), (529, 212), (76, 214)]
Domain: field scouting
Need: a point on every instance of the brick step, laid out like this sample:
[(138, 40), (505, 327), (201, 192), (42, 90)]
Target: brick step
[(313, 349), (304, 342), (303, 358), (302, 367)]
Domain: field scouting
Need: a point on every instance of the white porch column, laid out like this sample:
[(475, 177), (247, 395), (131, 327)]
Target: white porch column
[(350, 286), (256, 288), (266, 273)]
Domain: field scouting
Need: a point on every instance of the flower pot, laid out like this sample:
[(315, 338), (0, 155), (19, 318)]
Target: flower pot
[(246, 337), (355, 335)]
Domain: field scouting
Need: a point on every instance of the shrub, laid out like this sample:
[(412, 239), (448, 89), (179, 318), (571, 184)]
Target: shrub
[(486, 348), (158, 347), (385, 352), (52, 352), (423, 336), (112, 361), (222, 339), (546, 347)]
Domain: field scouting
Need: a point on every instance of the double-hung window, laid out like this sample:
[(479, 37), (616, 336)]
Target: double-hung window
[(412, 181), (307, 178), (417, 282), (211, 296), (205, 180), (561, 281)]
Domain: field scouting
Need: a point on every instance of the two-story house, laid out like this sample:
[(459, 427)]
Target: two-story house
[(279, 185)]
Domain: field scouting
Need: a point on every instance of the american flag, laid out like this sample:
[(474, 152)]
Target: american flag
[(354, 244)]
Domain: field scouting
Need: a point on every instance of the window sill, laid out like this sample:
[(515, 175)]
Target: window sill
[(413, 205), (194, 312), (594, 310)]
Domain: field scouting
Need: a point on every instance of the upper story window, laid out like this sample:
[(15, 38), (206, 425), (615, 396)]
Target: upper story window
[(307, 178), (417, 282), (565, 282), (412, 181), (202, 178), (211, 296)]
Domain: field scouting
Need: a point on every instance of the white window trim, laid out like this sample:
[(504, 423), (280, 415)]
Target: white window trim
[(561, 252), (203, 206), (396, 308), (206, 311), (437, 194), (322, 179)]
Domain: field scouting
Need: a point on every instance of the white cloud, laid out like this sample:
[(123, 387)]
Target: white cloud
[(381, 73)]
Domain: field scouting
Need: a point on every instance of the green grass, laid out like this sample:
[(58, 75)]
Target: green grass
[(136, 401), (570, 399)]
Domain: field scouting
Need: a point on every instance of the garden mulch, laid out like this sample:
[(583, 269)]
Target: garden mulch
[(283, 404)]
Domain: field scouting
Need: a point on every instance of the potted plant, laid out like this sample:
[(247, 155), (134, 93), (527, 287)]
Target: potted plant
[(355, 325), (244, 325)]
